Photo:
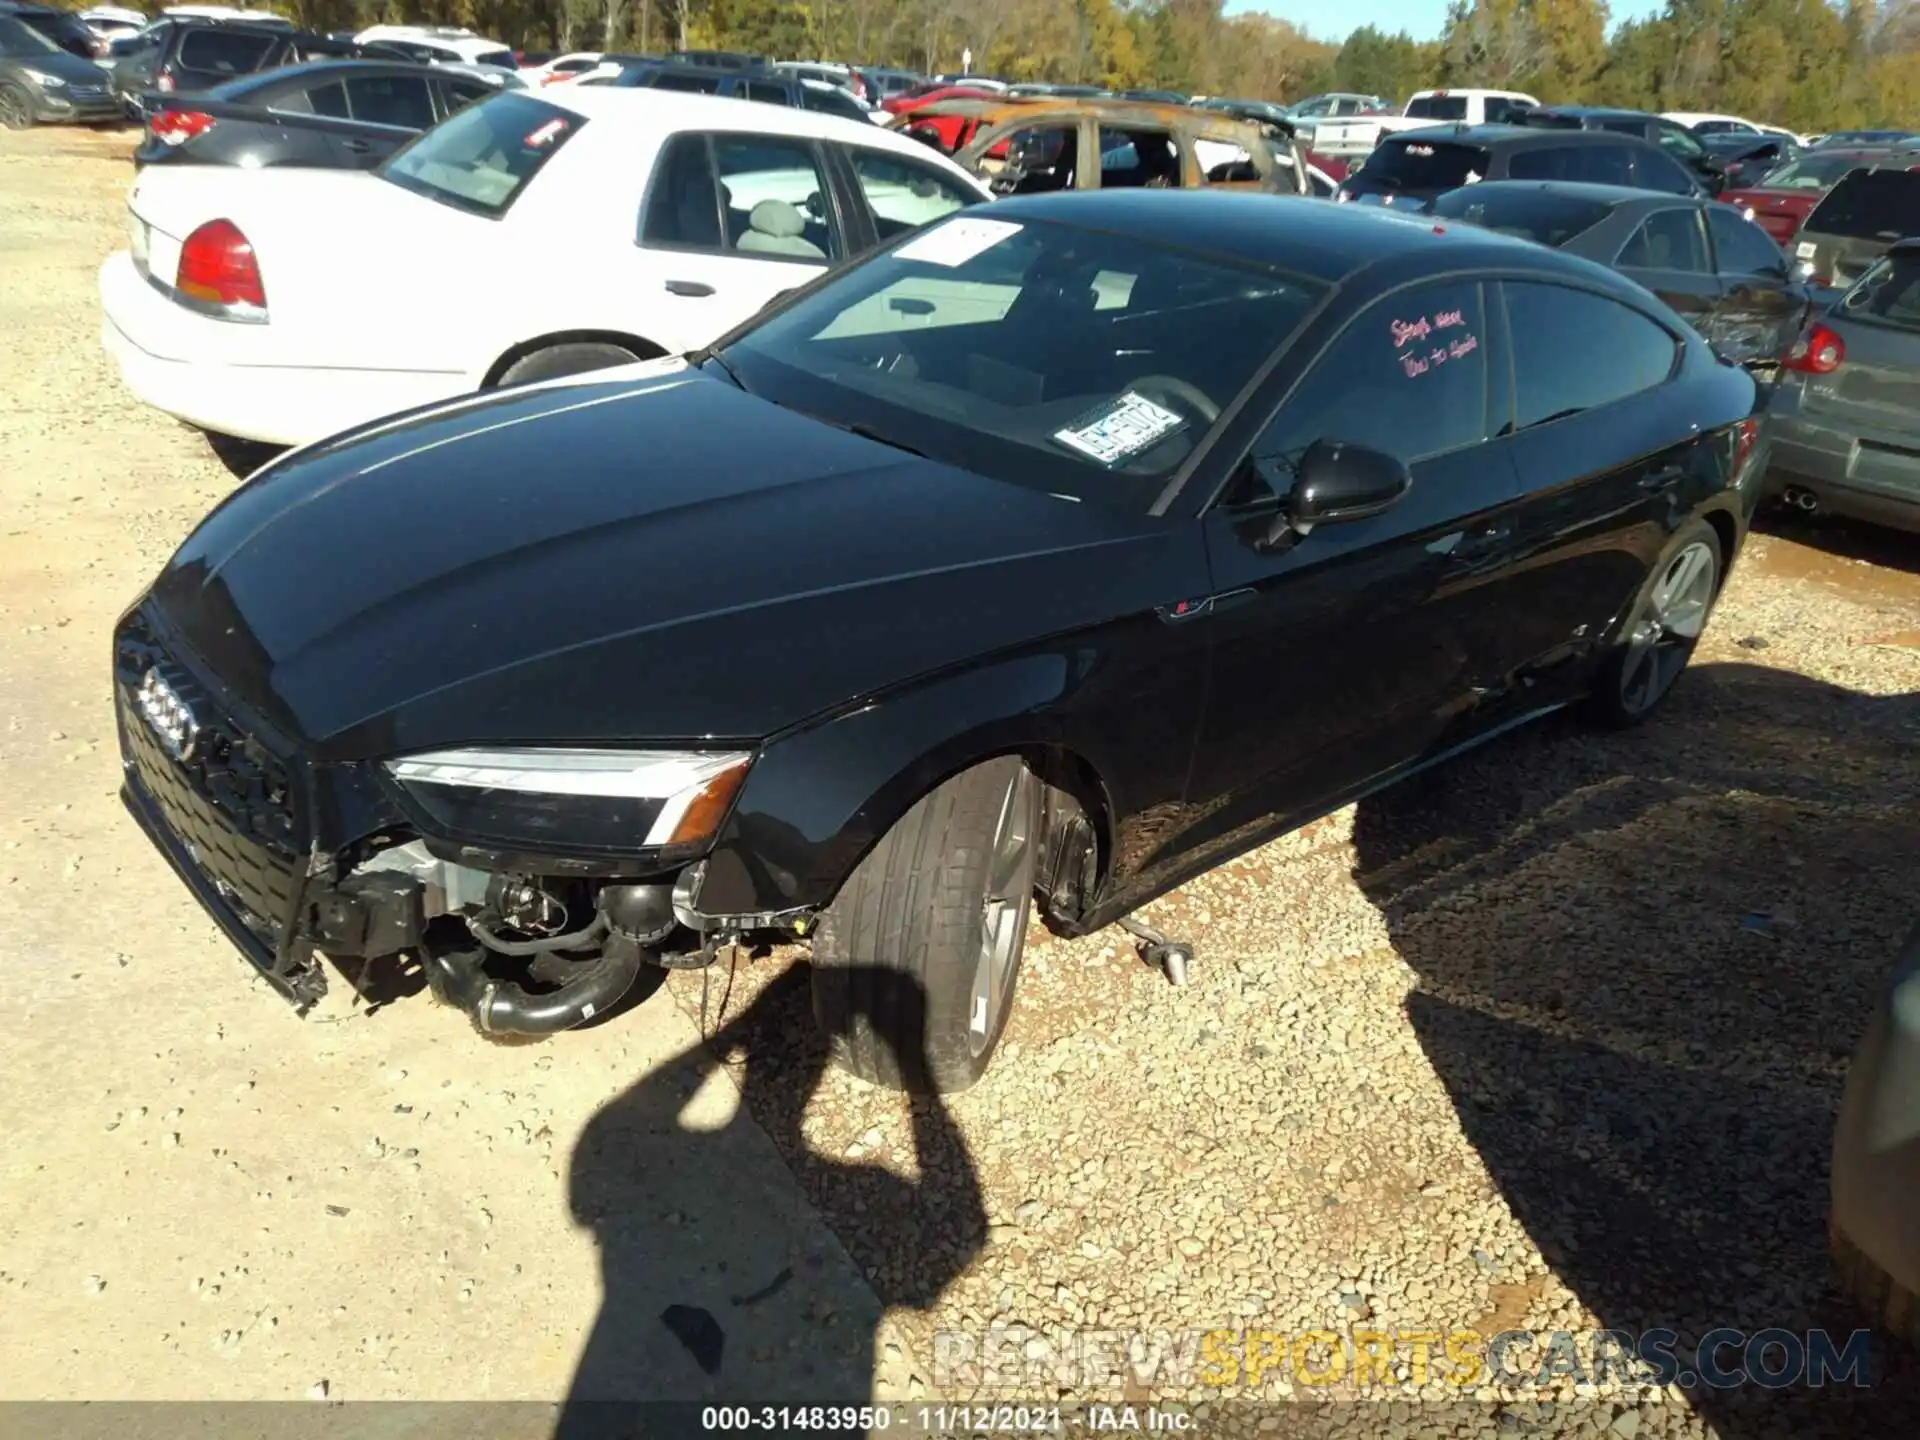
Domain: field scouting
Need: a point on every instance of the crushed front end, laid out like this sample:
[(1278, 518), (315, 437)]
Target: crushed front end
[(531, 885)]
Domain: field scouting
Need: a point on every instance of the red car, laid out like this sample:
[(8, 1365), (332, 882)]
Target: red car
[(913, 99), (1790, 193)]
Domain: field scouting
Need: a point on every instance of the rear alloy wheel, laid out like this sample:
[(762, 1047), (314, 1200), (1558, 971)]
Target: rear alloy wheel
[(916, 960), (1665, 624), (557, 360), (16, 108)]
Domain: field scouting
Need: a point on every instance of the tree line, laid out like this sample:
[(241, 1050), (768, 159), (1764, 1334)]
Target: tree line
[(1807, 64)]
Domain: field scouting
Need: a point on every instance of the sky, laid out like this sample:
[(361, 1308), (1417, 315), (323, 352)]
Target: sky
[(1332, 19)]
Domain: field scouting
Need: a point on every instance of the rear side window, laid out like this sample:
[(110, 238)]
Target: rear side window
[(1437, 107), (831, 100), (503, 58), (1554, 380), (1501, 111), (400, 100), (1544, 218), (1625, 127), (1870, 205), (1417, 165), (766, 92), (1655, 170), (1668, 240), (1743, 247), (1591, 164), (1888, 294), (698, 84), (483, 158), (1676, 141), (224, 52)]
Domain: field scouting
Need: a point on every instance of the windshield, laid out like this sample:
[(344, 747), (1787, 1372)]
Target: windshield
[(1437, 107), (1544, 218), (1813, 172), (23, 41), (1421, 165), (1078, 362), (1889, 293), (1870, 205), (482, 157)]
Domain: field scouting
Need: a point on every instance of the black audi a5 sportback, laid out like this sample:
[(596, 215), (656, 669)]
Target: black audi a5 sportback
[(1050, 556)]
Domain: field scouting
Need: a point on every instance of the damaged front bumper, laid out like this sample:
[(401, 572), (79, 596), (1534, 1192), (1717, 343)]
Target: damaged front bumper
[(294, 858)]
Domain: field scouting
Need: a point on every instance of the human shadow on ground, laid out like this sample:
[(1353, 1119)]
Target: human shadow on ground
[(721, 1282), (1643, 959)]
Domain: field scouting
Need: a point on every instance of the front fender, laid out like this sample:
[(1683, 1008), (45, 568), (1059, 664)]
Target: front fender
[(1115, 714)]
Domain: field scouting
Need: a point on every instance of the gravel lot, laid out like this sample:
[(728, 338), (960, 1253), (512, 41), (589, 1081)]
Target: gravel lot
[(1552, 1038)]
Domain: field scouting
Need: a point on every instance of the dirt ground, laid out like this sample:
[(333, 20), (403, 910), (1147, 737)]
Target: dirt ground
[(1552, 1039)]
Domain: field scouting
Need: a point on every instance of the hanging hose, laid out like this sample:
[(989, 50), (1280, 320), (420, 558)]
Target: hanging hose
[(576, 940), (500, 1007)]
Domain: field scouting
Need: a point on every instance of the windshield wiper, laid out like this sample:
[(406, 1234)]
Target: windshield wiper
[(867, 432), (700, 357)]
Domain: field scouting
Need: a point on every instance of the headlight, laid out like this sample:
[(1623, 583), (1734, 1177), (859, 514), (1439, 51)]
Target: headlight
[(615, 801), (44, 80)]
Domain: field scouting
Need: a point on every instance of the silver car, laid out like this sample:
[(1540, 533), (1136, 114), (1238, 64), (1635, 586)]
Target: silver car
[(1846, 415)]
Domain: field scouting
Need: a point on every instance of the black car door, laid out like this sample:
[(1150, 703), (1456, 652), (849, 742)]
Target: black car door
[(1600, 446), (1345, 653), (1668, 254), (1762, 308)]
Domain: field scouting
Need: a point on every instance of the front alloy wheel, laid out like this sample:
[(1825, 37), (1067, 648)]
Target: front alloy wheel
[(915, 962), (16, 110)]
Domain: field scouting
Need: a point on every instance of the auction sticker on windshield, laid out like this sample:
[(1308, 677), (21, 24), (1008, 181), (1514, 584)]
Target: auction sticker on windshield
[(957, 241), (1120, 429)]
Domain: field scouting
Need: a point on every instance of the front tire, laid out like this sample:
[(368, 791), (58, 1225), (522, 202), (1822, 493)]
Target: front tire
[(16, 108), (1662, 628), (915, 962), (557, 360)]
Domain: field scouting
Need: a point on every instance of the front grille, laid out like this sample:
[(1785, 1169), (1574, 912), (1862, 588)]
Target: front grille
[(230, 802), (87, 92)]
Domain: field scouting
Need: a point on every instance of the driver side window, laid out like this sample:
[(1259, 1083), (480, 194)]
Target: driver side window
[(1407, 376)]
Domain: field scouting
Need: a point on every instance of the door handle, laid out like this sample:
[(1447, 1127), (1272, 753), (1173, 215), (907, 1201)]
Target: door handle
[(692, 289), (1664, 477), (1483, 542), (358, 147)]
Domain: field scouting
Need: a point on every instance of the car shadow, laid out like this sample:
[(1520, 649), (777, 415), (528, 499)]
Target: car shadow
[(1642, 961), (720, 1282), (241, 457)]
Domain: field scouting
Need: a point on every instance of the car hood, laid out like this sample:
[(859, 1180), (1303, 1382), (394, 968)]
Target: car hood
[(656, 557)]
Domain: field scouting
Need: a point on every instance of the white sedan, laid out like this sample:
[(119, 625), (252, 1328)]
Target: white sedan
[(520, 239)]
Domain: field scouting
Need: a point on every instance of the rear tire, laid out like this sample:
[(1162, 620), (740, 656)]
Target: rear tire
[(915, 962), (1661, 630), (557, 360)]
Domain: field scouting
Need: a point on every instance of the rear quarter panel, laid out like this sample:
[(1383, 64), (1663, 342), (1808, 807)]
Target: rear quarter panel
[(363, 274)]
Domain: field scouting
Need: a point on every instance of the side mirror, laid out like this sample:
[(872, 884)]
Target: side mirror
[(1338, 482), (1334, 483)]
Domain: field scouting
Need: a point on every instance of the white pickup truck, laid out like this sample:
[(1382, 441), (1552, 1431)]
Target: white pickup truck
[(1355, 138)]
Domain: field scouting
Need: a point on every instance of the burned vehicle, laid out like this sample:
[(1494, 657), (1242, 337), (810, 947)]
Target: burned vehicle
[(1043, 560), (1026, 147)]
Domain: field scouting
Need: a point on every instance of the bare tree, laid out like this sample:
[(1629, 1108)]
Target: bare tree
[(1495, 40)]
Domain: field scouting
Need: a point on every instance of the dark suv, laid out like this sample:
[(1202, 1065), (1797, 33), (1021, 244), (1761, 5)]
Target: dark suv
[(62, 27), (186, 56), (1678, 141), (42, 83), (1413, 166), (751, 83)]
